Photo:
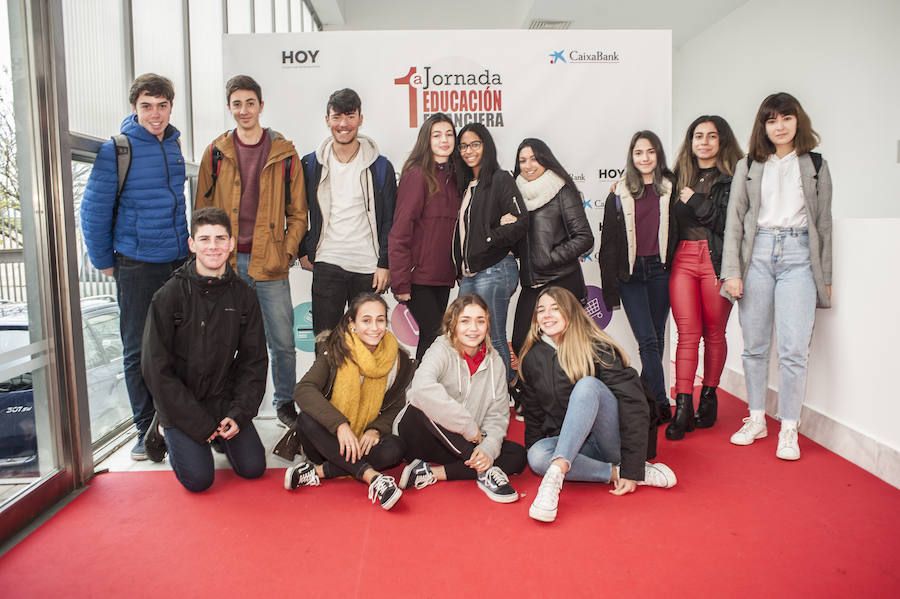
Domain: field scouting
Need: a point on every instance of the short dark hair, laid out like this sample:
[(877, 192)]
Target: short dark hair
[(239, 82), (210, 215), (155, 85), (805, 140), (343, 101)]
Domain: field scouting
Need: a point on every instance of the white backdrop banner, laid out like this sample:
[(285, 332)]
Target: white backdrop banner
[(583, 92)]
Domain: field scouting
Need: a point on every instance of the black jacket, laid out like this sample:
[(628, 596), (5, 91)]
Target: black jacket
[(710, 209), (558, 234), (487, 241), (546, 398), (204, 352)]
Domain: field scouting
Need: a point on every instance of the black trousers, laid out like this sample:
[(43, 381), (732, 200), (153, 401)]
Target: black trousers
[(426, 440), (332, 289), (321, 447), (573, 281), (427, 304)]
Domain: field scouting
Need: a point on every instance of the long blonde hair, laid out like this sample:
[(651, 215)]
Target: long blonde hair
[(583, 342)]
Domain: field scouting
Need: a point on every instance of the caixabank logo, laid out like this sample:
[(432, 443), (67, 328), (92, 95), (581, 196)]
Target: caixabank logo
[(584, 57), (465, 96)]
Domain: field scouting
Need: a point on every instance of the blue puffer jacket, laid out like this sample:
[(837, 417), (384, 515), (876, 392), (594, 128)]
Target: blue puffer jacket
[(151, 224)]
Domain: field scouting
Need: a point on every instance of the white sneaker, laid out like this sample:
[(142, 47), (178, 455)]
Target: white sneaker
[(788, 448), (658, 475), (544, 506), (750, 432)]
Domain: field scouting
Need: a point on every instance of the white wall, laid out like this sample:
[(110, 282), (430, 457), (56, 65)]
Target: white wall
[(841, 63)]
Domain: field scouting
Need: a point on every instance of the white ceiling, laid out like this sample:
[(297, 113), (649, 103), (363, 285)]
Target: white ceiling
[(686, 18)]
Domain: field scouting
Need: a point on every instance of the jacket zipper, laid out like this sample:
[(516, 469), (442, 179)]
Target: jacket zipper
[(174, 197)]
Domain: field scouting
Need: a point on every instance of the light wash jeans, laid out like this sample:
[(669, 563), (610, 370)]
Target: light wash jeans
[(778, 288), (589, 439), (495, 285), (278, 319)]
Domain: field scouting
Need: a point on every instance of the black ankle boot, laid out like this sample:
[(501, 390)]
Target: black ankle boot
[(708, 408), (663, 412), (683, 421)]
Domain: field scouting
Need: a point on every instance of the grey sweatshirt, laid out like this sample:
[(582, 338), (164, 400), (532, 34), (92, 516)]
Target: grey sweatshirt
[(444, 391)]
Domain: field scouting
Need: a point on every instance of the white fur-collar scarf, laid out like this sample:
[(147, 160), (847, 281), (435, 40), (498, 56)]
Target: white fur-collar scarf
[(540, 191)]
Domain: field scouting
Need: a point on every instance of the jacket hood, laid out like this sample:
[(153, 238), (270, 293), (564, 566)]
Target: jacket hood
[(188, 272), (280, 145), (131, 127), (368, 150)]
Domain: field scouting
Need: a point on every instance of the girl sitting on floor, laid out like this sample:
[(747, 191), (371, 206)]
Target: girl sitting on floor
[(587, 416), (349, 400), (458, 409)]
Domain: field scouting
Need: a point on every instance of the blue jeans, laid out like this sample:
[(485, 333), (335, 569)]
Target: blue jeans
[(778, 288), (589, 440), (193, 464), (136, 282), (495, 285), (278, 319), (645, 298)]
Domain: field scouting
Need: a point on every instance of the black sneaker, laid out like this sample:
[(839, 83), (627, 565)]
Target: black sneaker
[(301, 475), (418, 474), (139, 452), (154, 442), (287, 414), (495, 485), (384, 490)]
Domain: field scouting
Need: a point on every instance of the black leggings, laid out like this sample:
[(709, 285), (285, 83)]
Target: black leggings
[(427, 304), (321, 447), (426, 440)]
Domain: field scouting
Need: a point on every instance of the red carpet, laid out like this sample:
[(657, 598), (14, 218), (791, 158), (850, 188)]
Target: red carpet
[(740, 523)]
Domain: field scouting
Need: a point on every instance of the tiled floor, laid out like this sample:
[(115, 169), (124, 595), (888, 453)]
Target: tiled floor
[(267, 425)]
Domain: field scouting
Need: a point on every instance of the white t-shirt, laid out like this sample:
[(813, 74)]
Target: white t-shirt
[(781, 193), (347, 236)]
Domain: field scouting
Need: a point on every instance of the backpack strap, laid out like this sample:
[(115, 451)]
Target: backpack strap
[(379, 168), (817, 161), (286, 169), (215, 157), (123, 165)]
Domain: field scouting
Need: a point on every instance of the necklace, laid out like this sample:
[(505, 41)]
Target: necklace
[(352, 156)]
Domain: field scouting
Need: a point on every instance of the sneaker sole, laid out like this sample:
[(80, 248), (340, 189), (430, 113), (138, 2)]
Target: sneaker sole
[(407, 472), (792, 457), (288, 474), (541, 515), (671, 480), (139, 457), (500, 498), (761, 435), (392, 500)]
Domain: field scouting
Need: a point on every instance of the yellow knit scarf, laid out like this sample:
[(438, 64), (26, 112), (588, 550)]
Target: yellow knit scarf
[(360, 403)]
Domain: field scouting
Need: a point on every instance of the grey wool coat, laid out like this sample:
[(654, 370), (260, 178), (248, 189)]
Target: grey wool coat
[(743, 215)]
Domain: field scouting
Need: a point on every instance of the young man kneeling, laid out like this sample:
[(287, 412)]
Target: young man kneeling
[(204, 359)]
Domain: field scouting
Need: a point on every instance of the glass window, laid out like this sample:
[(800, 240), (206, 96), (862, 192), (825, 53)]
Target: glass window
[(160, 49), (97, 65), (28, 403), (108, 402)]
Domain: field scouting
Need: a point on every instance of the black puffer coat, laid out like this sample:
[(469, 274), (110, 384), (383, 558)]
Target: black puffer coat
[(204, 352), (711, 209), (558, 234), (487, 242), (546, 399)]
